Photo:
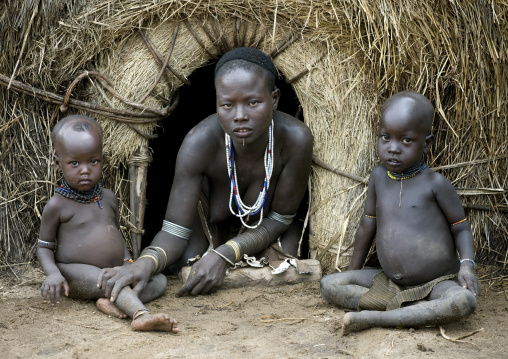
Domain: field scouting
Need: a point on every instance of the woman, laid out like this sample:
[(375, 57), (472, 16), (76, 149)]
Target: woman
[(240, 176)]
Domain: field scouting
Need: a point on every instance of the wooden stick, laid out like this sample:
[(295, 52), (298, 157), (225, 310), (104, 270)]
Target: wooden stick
[(326, 166), (138, 170)]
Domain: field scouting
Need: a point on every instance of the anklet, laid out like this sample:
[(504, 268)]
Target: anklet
[(139, 313)]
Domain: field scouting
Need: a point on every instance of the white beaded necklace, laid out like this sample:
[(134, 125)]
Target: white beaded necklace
[(259, 205)]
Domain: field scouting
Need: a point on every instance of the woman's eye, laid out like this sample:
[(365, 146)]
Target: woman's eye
[(227, 105), (253, 103)]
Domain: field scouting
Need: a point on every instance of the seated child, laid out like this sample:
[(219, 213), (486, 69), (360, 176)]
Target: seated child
[(80, 235), (419, 225)]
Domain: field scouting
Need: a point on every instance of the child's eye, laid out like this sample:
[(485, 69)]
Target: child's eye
[(385, 137), (406, 140), (74, 163), (94, 162)]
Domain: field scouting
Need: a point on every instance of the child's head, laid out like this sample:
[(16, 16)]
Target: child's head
[(246, 94), (77, 141), (404, 130)]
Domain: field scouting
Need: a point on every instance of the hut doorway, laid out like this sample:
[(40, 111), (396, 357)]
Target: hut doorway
[(197, 101)]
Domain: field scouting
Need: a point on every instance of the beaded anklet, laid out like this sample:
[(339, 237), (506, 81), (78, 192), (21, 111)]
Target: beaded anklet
[(92, 196)]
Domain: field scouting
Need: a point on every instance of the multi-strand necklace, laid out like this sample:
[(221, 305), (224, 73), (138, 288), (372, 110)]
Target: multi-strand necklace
[(92, 196), (408, 173), (234, 195)]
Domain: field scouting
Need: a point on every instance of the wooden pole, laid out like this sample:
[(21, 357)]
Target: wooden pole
[(138, 170)]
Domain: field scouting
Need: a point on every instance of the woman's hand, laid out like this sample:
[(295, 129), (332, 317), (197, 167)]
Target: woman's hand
[(113, 280), (206, 274)]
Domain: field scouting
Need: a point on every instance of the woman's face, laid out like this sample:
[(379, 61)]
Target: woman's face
[(245, 104)]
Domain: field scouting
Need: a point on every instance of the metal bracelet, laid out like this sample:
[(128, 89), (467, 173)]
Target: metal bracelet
[(176, 230)]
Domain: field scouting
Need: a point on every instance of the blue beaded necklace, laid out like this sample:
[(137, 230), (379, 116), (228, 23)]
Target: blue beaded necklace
[(92, 196), (244, 211)]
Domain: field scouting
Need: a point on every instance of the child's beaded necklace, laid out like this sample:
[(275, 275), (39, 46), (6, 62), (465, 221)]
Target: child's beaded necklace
[(259, 205), (409, 173), (92, 196)]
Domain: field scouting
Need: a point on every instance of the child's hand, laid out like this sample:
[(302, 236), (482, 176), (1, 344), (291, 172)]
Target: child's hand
[(467, 278), (52, 284)]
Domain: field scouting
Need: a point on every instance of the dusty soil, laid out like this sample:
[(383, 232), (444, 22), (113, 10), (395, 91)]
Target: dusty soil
[(290, 321)]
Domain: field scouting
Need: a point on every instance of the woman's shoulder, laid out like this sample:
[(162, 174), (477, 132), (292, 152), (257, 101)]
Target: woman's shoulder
[(291, 128)]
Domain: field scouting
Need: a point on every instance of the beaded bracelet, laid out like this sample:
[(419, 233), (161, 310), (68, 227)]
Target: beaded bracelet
[(467, 259), (366, 215), (127, 259), (463, 220)]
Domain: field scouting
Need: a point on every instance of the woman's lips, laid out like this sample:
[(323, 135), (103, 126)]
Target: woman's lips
[(242, 132)]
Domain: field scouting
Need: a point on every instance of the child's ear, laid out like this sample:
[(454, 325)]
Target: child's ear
[(429, 140), (56, 160)]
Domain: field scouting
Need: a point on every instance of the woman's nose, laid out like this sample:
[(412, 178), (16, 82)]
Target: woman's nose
[(240, 114)]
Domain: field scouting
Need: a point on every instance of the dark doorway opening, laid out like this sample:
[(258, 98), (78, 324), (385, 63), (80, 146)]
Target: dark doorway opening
[(197, 101)]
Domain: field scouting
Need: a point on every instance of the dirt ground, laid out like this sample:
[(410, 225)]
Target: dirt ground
[(290, 321)]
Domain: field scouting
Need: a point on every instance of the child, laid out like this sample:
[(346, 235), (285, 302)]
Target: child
[(79, 232), (419, 225)]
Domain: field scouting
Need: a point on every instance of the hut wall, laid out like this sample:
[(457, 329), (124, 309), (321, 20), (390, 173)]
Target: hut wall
[(357, 54)]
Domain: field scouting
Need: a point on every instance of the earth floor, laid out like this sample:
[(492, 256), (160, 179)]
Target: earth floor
[(289, 321)]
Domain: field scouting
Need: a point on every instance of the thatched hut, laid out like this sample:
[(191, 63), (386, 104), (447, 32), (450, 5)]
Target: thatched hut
[(142, 68)]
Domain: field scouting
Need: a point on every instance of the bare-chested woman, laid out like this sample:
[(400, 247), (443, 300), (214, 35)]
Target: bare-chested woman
[(419, 225), (247, 160), (80, 235)]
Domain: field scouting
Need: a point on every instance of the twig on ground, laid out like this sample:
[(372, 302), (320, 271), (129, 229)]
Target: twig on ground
[(458, 339), (271, 319)]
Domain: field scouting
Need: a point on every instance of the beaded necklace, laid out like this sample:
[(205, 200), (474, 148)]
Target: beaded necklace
[(92, 196), (410, 172), (234, 194)]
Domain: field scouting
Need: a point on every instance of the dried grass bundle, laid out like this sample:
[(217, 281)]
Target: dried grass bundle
[(343, 58)]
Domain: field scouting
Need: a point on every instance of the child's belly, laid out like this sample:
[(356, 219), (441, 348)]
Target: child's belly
[(103, 247), (412, 255)]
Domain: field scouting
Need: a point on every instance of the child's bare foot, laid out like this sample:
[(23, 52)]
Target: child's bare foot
[(155, 322), (353, 322), (108, 307)]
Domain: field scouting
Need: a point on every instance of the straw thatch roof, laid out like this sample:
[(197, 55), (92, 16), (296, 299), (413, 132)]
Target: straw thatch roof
[(343, 59)]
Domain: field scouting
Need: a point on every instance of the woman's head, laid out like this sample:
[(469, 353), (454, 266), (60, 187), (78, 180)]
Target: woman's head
[(246, 94), (249, 59)]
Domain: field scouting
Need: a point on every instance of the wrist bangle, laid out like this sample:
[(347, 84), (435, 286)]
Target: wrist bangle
[(470, 260), (223, 257), (127, 259)]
